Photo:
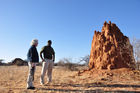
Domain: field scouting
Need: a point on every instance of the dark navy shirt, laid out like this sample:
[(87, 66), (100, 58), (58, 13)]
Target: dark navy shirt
[(32, 55)]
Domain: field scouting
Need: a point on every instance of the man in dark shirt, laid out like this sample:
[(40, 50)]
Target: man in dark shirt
[(33, 59), (48, 61)]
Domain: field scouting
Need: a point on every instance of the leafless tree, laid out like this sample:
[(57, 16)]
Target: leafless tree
[(68, 63), (136, 49), (85, 59)]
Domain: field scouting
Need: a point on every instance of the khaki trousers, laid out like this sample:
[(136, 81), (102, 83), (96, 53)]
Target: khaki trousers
[(47, 66), (30, 79)]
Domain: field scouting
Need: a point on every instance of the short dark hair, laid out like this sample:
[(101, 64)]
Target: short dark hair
[(49, 42)]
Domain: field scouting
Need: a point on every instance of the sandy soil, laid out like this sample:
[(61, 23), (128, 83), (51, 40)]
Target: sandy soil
[(13, 80)]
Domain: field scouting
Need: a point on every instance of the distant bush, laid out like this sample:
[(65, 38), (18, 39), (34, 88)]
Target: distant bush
[(19, 62), (68, 64), (1, 60), (2, 63)]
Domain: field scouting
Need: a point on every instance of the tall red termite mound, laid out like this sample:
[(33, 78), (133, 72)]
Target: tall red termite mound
[(111, 49)]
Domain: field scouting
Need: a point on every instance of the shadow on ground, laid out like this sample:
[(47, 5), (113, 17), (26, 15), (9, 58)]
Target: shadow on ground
[(85, 86), (88, 85), (85, 91)]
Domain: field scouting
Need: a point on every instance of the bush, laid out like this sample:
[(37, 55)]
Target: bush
[(19, 62), (67, 63), (2, 63)]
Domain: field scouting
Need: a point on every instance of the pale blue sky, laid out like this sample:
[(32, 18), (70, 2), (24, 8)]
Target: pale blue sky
[(70, 24)]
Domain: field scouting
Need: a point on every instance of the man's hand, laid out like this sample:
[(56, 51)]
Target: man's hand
[(33, 64), (43, 60)]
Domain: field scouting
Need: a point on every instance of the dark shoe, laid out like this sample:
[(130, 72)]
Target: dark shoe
[(31, 88)]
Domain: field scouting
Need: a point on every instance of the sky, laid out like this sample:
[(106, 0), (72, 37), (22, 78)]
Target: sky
[(70, 24)]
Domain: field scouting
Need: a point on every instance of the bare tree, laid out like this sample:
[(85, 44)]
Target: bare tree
[(136, 49), (65, 60), (85, 59), (68, 63)]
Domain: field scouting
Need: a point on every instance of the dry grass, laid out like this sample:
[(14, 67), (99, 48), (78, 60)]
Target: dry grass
[(13, 80)]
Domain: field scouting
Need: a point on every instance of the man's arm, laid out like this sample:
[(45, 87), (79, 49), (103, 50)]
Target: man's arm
[(29, 55), (53, 57), (41, 54), (53, 54)]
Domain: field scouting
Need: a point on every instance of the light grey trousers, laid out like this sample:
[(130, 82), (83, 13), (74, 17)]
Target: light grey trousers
[(47, 66), (30, 79)]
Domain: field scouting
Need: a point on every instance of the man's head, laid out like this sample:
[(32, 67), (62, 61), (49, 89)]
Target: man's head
[(49, 42), (34, 42)]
